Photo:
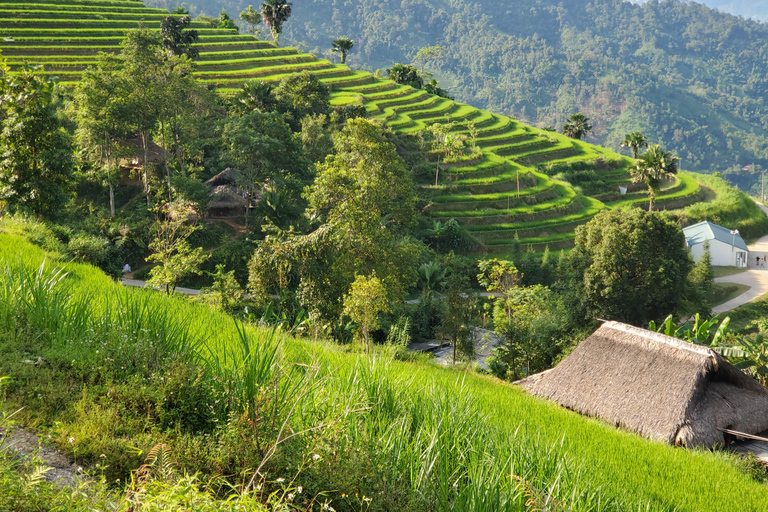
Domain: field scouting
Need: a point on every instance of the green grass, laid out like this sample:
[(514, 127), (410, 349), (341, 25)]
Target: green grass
[(726, 291), (727, 271), (453, 438)]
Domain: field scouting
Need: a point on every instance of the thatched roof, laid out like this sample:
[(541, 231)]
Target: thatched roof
[(135, 148), (225, 177), (660, 387), (226, 196)]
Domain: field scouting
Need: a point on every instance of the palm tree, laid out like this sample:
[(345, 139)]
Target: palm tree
[(654, 165), (634, 141), (274, 13), (342, 45), (578, 125)]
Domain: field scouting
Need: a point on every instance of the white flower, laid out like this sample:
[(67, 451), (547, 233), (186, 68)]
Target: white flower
[(315, 457), (280, 480), (71, 440), (299, 489)]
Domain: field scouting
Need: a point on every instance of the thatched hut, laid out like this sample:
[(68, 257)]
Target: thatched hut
[(660, 387), (226, 201), (225, 177)]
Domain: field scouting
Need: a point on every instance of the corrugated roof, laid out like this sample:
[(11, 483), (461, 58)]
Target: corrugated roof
[(702, 231)]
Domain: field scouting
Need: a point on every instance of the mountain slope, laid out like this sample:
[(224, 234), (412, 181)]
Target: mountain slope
[(522, 181), (689, 77)]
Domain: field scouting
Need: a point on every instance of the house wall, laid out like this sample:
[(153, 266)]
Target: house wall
[(722, 254)]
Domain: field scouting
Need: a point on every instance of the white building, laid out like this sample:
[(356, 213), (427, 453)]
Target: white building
[(726, 247)]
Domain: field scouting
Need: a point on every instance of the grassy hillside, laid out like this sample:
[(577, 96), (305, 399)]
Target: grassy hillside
[(433, 438), (524, 181)]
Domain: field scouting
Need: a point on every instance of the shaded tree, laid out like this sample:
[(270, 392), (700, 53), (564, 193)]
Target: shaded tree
[(405, 74), (627, 265), (176, 39), (35, 152), (255, 95)]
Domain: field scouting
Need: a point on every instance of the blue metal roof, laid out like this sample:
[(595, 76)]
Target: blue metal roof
[(697, 233)]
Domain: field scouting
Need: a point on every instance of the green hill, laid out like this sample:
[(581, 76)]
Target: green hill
[(687, 76), (519, 184), (408, 435)]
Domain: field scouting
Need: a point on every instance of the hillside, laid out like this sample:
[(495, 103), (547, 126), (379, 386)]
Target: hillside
[(409, 435), (524, 182), (685, 75), (745, 8)]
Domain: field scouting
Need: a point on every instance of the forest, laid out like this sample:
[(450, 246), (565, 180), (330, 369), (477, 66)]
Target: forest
[(681, 73)]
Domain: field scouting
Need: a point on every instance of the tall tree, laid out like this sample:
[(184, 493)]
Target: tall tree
[(252, 17), (428, 54), (98, 108), (362, 202), (634, 141), (141, 52), (35, 152), (176, 39), (342, 45), (654, 166), (578, 126), (274, 13)]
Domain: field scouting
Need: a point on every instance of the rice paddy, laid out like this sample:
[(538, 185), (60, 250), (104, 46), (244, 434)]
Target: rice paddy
[(66, 35)]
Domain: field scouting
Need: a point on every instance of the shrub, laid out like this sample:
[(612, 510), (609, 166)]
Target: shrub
[(90, 249)]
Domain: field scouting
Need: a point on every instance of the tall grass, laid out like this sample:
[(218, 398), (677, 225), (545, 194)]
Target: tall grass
[(446, 440)]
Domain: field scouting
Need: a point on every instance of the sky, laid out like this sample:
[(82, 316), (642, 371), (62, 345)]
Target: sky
[(755, 9)]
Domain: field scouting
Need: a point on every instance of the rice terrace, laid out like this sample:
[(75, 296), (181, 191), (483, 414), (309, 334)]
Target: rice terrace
[(235, 275)]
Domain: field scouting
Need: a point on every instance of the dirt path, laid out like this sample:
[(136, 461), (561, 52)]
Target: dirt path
[(24, 444), (756, 277)]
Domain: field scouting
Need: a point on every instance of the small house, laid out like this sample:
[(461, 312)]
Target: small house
[(660, 387), (726, 247)]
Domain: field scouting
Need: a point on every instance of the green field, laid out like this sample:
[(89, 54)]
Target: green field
[(452, 439), (66, 35)]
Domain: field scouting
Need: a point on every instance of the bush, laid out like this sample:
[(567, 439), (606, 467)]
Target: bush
[(90, 249)]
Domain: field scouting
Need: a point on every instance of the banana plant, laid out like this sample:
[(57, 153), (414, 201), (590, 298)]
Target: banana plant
[(699, 332)]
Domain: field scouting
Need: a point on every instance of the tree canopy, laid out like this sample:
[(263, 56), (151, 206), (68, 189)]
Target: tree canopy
[(627, 265)]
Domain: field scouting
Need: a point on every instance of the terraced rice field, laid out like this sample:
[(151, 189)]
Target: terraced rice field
[(502, 193)]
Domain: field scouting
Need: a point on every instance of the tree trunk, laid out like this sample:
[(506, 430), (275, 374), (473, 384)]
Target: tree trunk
[(145, 142), (437, 169), (650, 201), (165, 161), (111, 199), (177, 143)]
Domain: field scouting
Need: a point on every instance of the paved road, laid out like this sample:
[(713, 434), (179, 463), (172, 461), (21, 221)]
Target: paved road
[(756, 278), (143, 284)]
